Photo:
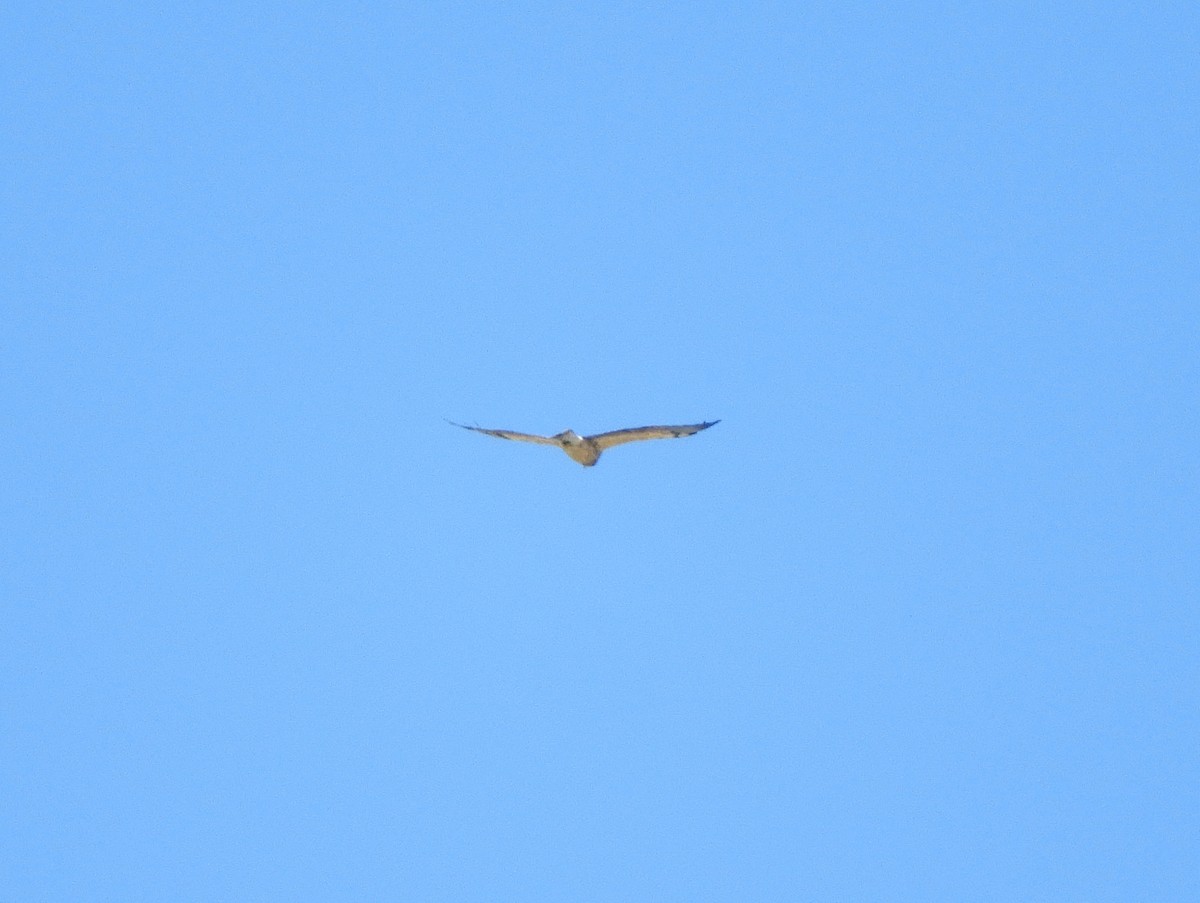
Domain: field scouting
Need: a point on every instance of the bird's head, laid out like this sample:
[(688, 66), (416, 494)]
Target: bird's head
[(570, 437)]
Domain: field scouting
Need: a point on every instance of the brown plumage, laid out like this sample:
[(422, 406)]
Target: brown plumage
[(587, 449)]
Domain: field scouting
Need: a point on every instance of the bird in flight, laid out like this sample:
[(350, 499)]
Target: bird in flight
[(587, 449)]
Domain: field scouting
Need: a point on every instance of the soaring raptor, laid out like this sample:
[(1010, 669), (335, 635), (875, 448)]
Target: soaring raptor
[(587, 449)]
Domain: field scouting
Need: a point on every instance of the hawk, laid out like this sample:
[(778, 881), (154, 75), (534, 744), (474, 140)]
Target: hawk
[(587, 449)]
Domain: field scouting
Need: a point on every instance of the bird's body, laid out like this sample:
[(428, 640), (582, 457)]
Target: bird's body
[(579, 448), (587, 449)]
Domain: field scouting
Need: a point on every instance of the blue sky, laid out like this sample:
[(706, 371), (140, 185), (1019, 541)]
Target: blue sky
[(916, 621)]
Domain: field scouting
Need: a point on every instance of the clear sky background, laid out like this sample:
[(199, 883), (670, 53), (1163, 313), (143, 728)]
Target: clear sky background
[(916, 621)]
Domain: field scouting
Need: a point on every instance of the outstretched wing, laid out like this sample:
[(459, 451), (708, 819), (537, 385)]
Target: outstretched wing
[(638, 433), (507, 434)]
